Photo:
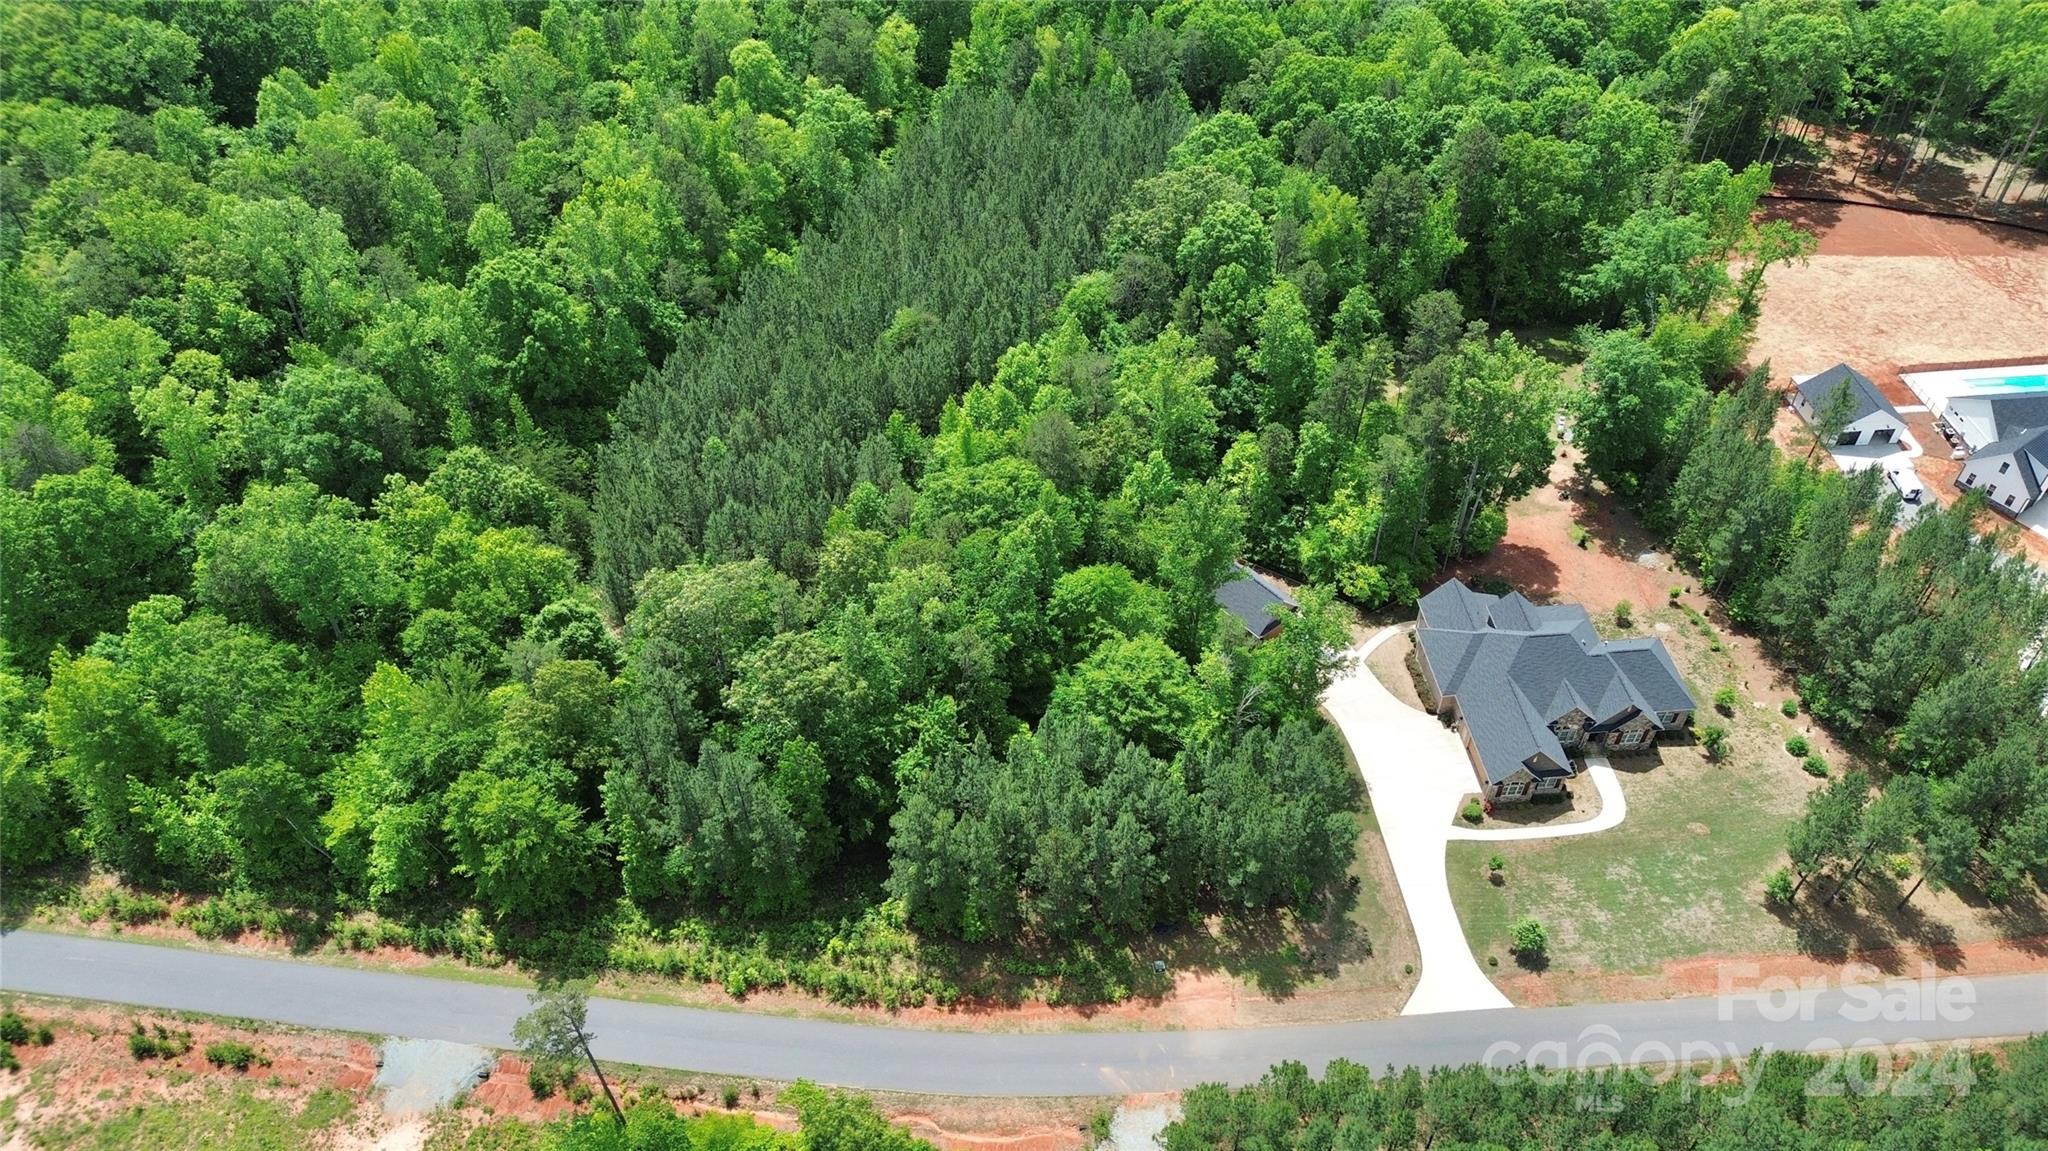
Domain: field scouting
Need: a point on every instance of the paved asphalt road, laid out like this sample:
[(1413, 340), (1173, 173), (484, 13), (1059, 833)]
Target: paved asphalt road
[(956, 1063)]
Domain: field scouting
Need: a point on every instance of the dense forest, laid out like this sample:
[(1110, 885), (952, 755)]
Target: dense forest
[(1779, 1102), (725, 470)]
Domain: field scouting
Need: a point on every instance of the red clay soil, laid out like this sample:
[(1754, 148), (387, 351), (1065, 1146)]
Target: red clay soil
[(1889, 292), (1834, 164), (1704, 975), (1539, 557)]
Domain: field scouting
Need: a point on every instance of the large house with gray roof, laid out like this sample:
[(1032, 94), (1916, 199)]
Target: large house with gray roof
[(1871, 418), (1528, 684), (2011, 472)]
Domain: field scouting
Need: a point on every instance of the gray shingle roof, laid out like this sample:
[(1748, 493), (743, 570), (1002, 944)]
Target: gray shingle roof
[(1515, 667), (2015, 416), (1255, 601), (2025, 443), (1821, 388)]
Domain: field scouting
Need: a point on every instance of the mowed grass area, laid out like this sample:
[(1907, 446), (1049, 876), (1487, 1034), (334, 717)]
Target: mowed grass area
[(1683, 875)]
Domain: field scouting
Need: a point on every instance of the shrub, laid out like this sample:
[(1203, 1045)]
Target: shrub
[(8, 1060), (1624, 613), (1547, 797), (540, 1081), (1496, 862), (1473, 813), (1797, 746), (123, 909), (1528, 939), (1790, 707), (235, 1054), (44, 1036), (1713, 740), (1098, 1125), (1724, 701), (1676, 591), (1779, 887), (1493, 961), (13, 1029), (1578, 535), (1815, 766), (1407, 969), (158, 1043), (731, 1096), (580, 1092)]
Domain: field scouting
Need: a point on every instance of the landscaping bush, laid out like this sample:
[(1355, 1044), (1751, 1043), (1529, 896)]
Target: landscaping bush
[(120, 907), (1790, 707), (1547, 797), (1493, 961), (235, 1054), (1815, 766), (1713, 740), (158, 1043), (1624, 613), (1724, 701), (1473, 813), (1496, 862), (1528, 939), (1779, 887), (1797, 746)]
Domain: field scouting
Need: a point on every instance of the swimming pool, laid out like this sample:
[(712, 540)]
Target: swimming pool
[(1993, 385)]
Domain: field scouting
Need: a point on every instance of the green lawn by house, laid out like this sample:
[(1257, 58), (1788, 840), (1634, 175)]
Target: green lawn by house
[(1683, 875)]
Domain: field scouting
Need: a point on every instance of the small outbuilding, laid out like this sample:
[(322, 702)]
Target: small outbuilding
[(1871, 418), (1254, 601)]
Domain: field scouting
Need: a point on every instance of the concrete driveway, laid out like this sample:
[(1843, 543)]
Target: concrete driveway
[(1613, 809), (1416, 771)]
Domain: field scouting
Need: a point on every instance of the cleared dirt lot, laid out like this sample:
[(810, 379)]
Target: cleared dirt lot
[(1886, 291)]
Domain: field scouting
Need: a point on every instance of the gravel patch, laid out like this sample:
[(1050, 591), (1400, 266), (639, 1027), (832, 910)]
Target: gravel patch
[(420, 1076)]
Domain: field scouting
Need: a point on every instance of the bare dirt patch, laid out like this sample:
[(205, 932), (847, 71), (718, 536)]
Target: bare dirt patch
[(1886, 291)]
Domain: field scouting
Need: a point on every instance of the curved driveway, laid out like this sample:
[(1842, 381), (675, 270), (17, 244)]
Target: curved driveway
[(967, 1063), (1417, 772)]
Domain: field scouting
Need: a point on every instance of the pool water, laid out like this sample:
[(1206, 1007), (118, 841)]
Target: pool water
[(2008, 384)]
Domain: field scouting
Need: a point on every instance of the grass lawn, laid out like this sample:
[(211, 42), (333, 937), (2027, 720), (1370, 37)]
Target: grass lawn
[(236, 1117), (1683, 875), (1682, 878)]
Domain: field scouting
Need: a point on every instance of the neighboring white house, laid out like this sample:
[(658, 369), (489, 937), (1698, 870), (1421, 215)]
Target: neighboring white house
[(2010, 472), (1872, 419)]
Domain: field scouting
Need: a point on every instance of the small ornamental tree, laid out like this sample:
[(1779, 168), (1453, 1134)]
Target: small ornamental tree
[(1528, 939), (553, 1033)]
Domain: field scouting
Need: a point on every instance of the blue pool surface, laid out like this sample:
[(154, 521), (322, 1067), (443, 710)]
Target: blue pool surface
[(2008, 384)]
